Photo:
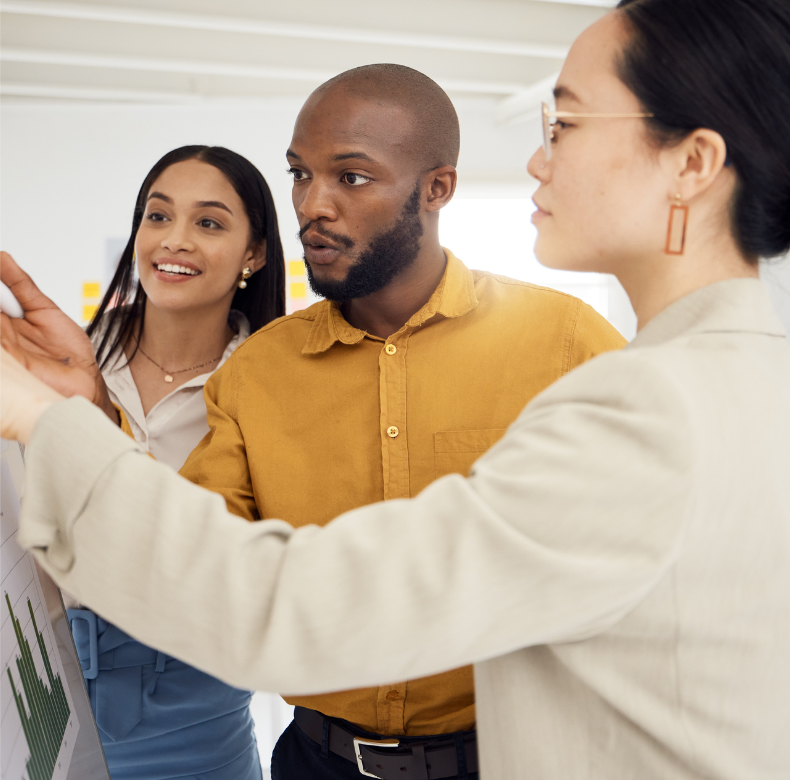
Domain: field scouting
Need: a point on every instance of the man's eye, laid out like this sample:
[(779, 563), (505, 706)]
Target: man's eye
[(297, 174), (354, 179)]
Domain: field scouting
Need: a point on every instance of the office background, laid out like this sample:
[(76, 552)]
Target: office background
[(94, 92)]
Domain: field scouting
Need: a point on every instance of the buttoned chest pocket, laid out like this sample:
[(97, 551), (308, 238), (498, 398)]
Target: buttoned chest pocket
[(456, 451)]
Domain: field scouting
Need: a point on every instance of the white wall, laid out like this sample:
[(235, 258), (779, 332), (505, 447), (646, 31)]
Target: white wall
[(71, 173)]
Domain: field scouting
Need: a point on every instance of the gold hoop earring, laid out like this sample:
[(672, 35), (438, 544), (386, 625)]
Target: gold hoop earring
[(245, 274), (134, 256), (676, 232)]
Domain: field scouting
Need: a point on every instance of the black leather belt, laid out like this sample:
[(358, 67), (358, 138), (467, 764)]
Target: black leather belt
[(387, 758)]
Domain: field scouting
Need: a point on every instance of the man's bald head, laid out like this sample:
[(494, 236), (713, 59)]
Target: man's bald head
[(373, 157), (436, 135)]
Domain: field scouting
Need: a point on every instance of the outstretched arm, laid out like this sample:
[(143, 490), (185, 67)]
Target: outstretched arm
[(49, 343), (563, 527)]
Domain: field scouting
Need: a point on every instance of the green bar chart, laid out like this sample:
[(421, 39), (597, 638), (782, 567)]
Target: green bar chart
[(44, 725), (38, 724)]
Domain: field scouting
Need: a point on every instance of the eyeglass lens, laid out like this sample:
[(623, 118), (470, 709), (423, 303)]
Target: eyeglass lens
[(546, 131)]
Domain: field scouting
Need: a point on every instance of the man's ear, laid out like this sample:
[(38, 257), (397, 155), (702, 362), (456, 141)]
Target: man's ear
[(256, 257), (441, 187)]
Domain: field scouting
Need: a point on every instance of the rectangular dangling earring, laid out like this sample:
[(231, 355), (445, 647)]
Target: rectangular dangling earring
[(676, 233)]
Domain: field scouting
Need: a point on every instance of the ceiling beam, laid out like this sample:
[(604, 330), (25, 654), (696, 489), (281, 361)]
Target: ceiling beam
[(115, 95), (524, 105), (156, 18), (150, 64), (229, 69), (595, 3)]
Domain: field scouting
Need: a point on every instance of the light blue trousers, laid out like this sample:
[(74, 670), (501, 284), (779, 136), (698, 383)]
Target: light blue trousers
[(158, 718)]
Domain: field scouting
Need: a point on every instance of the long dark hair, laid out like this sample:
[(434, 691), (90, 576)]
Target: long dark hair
[(722, 65), (262, 301)]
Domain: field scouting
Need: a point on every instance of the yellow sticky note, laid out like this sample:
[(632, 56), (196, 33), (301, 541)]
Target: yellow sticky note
[(296, 268), (91, 290), (88, 310), (298, 290)]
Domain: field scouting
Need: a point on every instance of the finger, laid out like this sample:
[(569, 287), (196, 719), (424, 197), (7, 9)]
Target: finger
[(24, 288), (15, 341), (8, 338), (7, 330), (21, 336)]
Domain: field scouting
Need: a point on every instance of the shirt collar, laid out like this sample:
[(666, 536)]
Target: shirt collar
[(731, 306), (453, 297)]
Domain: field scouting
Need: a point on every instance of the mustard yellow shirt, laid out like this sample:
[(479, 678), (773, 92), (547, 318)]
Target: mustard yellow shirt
[(311, 417)]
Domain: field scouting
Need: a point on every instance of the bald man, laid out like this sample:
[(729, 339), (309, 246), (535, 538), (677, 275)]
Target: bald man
[(410, 369)]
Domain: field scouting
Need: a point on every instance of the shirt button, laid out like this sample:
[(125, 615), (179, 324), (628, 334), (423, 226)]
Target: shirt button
[(392, 431), (393, 695), (390, 349)]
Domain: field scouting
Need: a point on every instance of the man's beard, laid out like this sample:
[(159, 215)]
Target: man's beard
[(388, 254)]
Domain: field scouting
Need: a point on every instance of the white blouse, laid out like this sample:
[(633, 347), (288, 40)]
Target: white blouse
[(177, 423)]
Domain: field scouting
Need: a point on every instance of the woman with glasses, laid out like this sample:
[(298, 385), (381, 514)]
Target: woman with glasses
[(618, 565)]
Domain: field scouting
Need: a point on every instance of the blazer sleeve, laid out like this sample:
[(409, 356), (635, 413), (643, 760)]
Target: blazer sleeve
[(561, 529)]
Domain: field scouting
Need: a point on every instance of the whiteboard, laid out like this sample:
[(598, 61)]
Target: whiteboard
[(47, 731)]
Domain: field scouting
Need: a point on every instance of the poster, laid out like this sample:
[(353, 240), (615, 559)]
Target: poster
[(47, 730)]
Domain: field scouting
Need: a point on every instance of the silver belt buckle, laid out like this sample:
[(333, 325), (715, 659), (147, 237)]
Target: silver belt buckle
[(373, 743)]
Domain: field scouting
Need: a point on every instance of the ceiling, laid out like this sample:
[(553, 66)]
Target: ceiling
[(189, 51)]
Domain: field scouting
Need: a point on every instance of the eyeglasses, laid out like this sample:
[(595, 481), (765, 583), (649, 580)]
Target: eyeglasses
[(548, 127)]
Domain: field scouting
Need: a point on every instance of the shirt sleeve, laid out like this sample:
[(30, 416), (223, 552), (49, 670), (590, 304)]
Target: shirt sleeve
[(592, 335), (561, 529), (219, 462)]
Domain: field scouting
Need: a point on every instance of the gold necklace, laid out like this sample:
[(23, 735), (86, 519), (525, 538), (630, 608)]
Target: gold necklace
[(169, 374)]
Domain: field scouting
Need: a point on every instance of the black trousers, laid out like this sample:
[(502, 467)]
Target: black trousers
[(297, 757)]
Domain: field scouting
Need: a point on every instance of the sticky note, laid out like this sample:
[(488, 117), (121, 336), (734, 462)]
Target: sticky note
[(298, 290), (88, 310), (296, 268), (91, 290)]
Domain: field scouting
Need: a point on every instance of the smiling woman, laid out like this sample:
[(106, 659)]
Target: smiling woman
[(207, 249), (215, 179)]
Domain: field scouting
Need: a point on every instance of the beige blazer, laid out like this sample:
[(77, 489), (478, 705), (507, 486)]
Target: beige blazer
[(618, 566)]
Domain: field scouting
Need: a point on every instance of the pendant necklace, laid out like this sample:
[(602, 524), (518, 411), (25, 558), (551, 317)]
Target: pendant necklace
[(169, 374)]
